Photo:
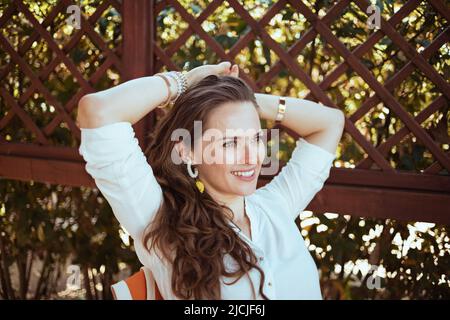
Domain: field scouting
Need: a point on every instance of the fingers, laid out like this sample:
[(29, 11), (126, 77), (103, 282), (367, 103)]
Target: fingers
[(227, 69), (224, 66), (234, 71)]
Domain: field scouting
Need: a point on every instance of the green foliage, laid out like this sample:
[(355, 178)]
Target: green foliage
[(412, 259), (52, 226)]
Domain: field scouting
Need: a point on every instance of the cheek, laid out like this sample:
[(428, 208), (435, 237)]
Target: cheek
[(261, 152), (231, 156), (213, 171), (215, 155)]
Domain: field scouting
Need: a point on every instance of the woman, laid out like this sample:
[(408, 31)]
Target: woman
[(202, 227)]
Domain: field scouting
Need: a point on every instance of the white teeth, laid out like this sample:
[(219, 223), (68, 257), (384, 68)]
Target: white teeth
[(243, 173)]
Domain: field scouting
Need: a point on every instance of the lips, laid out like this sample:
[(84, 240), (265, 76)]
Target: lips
[(246, 175)]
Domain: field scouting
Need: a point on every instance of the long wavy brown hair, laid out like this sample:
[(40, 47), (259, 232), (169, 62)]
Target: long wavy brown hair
[(191, 229)]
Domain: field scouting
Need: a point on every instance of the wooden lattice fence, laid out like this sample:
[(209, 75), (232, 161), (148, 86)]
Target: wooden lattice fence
[(46, 150)]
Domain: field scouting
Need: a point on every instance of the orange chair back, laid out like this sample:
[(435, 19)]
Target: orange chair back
[(137, 287)]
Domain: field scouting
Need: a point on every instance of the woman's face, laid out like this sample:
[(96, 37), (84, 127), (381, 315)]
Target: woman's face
[(233, 150)]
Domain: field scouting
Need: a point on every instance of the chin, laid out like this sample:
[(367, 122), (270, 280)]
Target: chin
[(245, 190), (244, 186)]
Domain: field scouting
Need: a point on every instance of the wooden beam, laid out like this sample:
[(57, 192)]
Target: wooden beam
[(33, 150), (383, 203), (389, 200), (399, 180), (45, 171)]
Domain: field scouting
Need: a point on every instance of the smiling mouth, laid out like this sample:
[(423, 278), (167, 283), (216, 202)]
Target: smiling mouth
[(246, 175)]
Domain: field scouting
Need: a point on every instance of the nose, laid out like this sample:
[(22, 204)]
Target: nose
[(249, 154)]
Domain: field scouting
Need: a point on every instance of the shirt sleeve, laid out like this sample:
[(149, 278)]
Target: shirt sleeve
[(300, 179), (121, 172)]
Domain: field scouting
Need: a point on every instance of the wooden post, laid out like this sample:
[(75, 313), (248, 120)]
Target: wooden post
[(138, 35)]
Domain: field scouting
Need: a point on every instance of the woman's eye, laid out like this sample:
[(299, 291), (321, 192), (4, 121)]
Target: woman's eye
[(229, 143), (232, 143)]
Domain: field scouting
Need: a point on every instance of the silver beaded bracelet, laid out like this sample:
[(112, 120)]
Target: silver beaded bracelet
[(181, 80)]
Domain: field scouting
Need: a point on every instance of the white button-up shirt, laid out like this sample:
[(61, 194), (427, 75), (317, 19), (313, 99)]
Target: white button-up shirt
[(121, 172)]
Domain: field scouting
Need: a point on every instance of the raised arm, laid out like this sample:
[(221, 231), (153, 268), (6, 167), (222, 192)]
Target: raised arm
[(308, 168), (132, 100), (318, 124), (129, 102), (113, 156)]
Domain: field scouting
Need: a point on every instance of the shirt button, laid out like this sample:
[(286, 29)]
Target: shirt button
[(261, 258), (270, 284)]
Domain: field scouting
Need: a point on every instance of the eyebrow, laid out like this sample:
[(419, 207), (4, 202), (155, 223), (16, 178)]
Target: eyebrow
[(260, 132)]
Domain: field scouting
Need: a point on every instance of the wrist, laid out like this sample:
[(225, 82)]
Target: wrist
[(189, 78), (173, 87), (268, 105), (281, 110)]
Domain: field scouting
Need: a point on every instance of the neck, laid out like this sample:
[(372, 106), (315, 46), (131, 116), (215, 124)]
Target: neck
[(235, 203)]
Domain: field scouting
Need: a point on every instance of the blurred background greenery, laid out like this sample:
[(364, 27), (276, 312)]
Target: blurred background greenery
[(46, 228)]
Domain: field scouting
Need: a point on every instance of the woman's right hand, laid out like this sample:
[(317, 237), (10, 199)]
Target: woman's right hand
[(234, 72), (224, 68)]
